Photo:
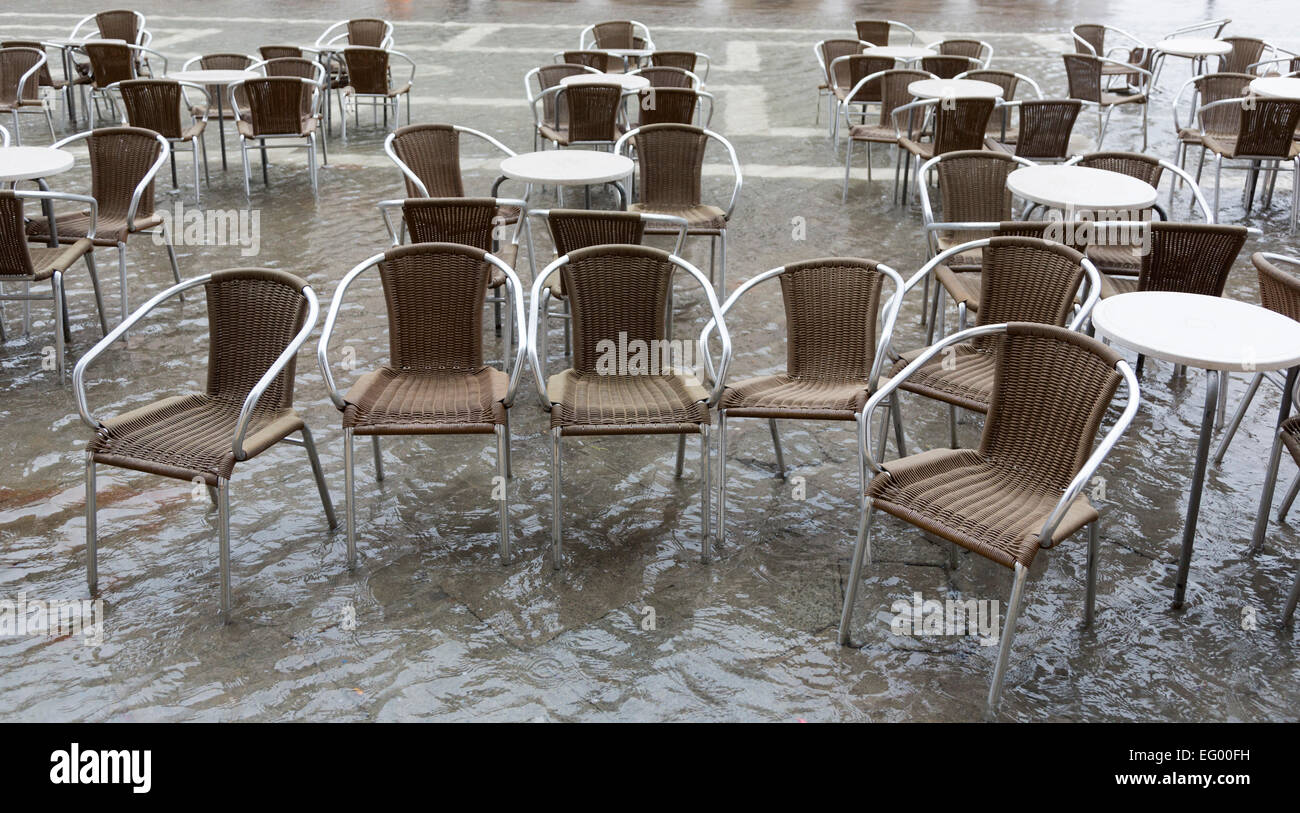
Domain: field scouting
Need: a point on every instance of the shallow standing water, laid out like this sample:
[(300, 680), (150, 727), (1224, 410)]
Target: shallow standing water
[(431, 626)]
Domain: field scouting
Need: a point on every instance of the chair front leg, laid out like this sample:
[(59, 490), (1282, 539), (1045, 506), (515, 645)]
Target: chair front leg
[(705, 493), (92, 564), (99, 296), (503, 455), (1008, 637), (349, 489), (1091, 598), (319, 474), (556, 547), (60, 321), (1291, 601), (860, 550), (722, 476), (223, 523), (776, 447)]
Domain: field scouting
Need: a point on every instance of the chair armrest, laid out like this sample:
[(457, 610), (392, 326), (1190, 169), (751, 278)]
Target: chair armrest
[(517, 305), (407, 172), (909, 107), (322, 347), (735, 168), (52, 196), (534, 320), (146, 180), (250, 403)]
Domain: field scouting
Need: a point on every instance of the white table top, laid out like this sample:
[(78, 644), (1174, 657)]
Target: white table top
[(567, 167), (29, 163), (953, 88), (1193, 46), (1075, 187), (899, 51), (213, 77), (626, 80), (639, 53), (1208, 332), (1278, 87)]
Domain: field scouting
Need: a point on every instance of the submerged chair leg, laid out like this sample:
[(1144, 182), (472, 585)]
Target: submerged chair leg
[(60, 325), (92, 565), (898, 425), (861, 549), (776, 445), (556, 549), (681, 457), (223, 521), (379, 458), (1288, 500), (349, 487), (506, 430), (1093, 544), (1291, 601), (171, 253), (705, 494), (317, 472), (503, 455), (99, 296), (722, 476), (1008, 636), (1266, 495), (1235, 423)]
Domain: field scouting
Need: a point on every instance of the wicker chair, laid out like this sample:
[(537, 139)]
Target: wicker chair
[(674, 106), (949, 66), (618, 295), (547, 110), (1043, 132), (1265, 133), (832, 309), (1279, 291), (959, 124), (119, 24), (856, 94), (112, 62), (1191, 258), (435, 381), (1084, 74), (1246, 51), (1000, 125), (572, 229), (663, 76), (670, 160), (1090, 40), (302, 68), (978, 50), (258, 318), (20, 71), (1221, 121), (595, 115), (975, 201), (269, 52), (1022, 489), (428, 156), (826, 52), (282, 109), (218, 62), (369, 80), (877, 32), (367, 32), (123, 163), (45, 77), (22, 263), (1023, 279), (616, 35), (475, 222), (596, 60), (155, 104), (893, 95), (693, 61)]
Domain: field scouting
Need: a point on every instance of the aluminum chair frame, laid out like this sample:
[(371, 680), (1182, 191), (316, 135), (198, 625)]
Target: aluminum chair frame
[(912, 163), (1135, 41), (718, 241), (715, 311), (502, 432), (19, 107), (1290, 398), (889, 307), (322, 79), (1180, 154), (848, 148), (862, 548), (222, 495), (309, 138)]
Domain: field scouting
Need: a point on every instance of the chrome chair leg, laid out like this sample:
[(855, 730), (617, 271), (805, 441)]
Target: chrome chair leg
[(776, 445), (722, 476), (898, 425), (60, 324), (92, 548), (1288, 500), (556, 548), (223, 521), (1090, 601), (349, 487), (705, 493), (1291, 602), (319, 473), (503, 456), (1235, 423), (379, 458), (681, 457), (861, 549), (1266, 495), (1008, 636)]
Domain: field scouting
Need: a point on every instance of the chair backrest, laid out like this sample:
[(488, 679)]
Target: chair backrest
[(1221, 119), (1024, 279), (119, 24), (675, 59), (832, 50), (860, 67), (667, 105), (434, 293), (1083, 73), (617, 293), (14, 64), (1279, 290), (831, 311), (1007, 80), (549, 76), (109, 62), (1192, 258), (153, 104), (44, 77), (875, 32), (1092, 34), (894, 92), (367, 32), (973, 187), (962, 47), (961, 124), (432, 152), (367, 69), (593, 111), (616, 34), (1245, 51), (572, 229), (253, 315), (298, 66), (1145, 168), (1267, 128), (276, 104), (666, 77), (1045, 127), (465, 221), (279, 51), (15, 261), (946, 66), (671, 159), (591, 59), (120, 158), (1051, 390)]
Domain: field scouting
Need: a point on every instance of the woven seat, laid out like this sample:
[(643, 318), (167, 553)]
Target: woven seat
[(601, 404), (963, 379), (1227, 145), (47, 259), (401, 402), (111, 230), (701, 218), (786, 396)]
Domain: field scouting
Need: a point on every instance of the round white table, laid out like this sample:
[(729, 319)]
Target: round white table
[(1277, 87), (1073, 188), (216, 77), (1214, 334), (568, 168), (36, 164), (1194, 48), (954, 88), (629, 82), (908, 53)]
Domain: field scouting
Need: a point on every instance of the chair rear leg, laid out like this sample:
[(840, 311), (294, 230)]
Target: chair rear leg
[(1008, 637), (92, 564), (860, 550), (121, 276), (1291, 601), (60, 321), (1288, 499), (349, 488), (705, 494), (99, 296), (171, 254), (1235, 423), (503, 466), (319, 473), (1091, 599), (898, 425), (557, 551), (681, 457), (722, 476), (223, 522), (776, 447), (1266, 495), (379, 458)]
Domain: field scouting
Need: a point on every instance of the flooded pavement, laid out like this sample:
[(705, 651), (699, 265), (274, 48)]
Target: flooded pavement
[(432, 626)]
